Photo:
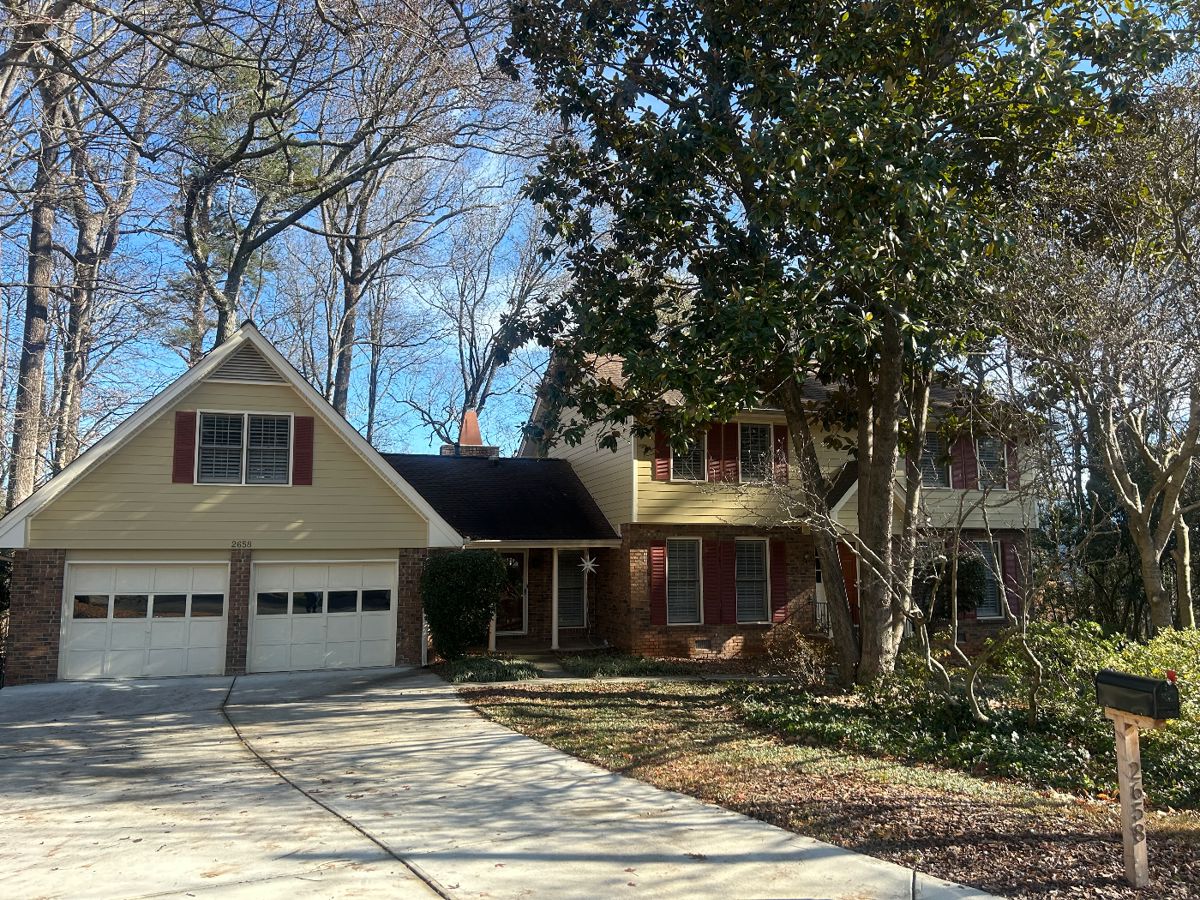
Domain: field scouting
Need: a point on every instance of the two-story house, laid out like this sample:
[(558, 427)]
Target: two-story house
[(237, 523)]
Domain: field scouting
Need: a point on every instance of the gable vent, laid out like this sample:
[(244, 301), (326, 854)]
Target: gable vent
[(247, 364)]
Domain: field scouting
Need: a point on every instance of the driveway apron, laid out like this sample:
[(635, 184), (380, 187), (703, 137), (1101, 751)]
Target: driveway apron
[(141, 789), (482, 811)]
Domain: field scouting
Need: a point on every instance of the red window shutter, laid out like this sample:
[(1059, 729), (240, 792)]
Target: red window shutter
[(711, 555), (729, 454), (1014, 477), (728, 555), (658, 583), (302, 450), (850, 577), (780, 435), (183, 460), (964, 467), (662, 457), (715, 442), (1010, 566), (779, 581)]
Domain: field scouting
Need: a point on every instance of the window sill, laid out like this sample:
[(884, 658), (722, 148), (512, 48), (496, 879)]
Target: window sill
[(684, 624)]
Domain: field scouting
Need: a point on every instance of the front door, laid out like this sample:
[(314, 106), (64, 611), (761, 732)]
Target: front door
[(511, 616)]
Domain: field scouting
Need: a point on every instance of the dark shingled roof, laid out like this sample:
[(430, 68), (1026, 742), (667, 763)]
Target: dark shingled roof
[(505, 499)]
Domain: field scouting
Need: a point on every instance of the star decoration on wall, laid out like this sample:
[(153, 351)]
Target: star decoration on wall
[(588, 565)]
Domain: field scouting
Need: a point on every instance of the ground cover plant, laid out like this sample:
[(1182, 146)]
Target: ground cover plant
[(1001, 836), (624, 665), (481, 669), (1068, 744)]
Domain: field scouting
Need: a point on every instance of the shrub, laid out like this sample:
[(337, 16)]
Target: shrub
[(484, 669), (791, 651), (460, 592)]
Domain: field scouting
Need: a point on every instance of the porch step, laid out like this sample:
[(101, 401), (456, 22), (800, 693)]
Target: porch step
[(546, 663)]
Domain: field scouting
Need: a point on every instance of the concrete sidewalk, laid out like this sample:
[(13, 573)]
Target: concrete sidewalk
[(142, 788)]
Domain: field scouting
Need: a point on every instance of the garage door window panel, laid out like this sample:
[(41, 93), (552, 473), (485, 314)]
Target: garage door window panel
[(343, 602), (170, 606), (208, 605), (130, 606), (376, 601), (273, 603), (90, 606), (307, 603)]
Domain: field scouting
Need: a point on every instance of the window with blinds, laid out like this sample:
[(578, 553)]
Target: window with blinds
[(683, 582), (220, 449), (993, 474), (750, 577), (989, 603), (935, 467), (572, 609), (755, 453), (267, 449), (690, 464), (240, 448)]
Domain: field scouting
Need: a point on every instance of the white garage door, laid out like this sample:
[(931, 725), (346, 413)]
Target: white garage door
[(151, 619), (323, 616)]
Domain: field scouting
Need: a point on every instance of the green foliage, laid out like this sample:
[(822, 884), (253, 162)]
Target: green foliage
[(621, 665), (1071, 745), (485, 669), (460, 592), (750, 194)]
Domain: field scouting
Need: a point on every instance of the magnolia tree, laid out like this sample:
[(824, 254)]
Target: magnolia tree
[(752, 198)]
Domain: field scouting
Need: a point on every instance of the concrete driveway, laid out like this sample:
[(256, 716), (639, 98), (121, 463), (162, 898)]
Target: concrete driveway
[(364, 783)]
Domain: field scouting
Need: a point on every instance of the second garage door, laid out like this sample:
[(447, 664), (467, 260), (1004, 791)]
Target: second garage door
[(323, 616)]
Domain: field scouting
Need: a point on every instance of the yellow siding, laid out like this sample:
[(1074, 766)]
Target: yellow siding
[(607, 474), (679, 502), (129, 502)]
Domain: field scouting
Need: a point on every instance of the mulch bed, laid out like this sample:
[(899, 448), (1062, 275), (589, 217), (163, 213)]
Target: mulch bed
[(1006, 839)]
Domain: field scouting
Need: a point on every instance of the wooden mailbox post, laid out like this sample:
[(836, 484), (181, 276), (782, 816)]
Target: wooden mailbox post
[(1133, 703)]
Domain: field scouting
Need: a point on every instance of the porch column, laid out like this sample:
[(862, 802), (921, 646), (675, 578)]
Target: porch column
[(554, 600)]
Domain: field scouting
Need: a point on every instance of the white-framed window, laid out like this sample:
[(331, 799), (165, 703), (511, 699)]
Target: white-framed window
[(243, 448), (750, 581), (691, 463), (683, 581), (935, 467), (989, 603), (754, 453), (993, 463)]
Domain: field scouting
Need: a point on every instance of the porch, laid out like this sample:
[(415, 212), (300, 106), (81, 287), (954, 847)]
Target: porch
[(549, 600)]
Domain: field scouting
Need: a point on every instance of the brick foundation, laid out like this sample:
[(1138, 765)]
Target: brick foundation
[(623, 612), (35, 616), (238, 612)]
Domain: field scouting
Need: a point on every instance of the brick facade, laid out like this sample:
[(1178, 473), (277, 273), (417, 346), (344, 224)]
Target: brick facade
[(623, 611), (408, 607), (238, 612), (35, 616)]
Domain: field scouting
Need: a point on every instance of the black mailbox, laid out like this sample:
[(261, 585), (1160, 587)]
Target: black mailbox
[(1151, 697)]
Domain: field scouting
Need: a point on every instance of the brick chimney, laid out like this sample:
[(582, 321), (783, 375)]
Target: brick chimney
[(470, 440)]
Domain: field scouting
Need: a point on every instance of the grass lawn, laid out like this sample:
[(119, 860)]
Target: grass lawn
[(1004, 838)]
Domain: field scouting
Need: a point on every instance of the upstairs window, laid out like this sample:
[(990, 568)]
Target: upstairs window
[(244, 448), (689, 465), (935, 467), (754, 449), (993, 466)]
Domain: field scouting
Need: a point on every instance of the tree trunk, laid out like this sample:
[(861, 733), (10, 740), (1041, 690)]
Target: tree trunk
[(1152, 580), (27, 412), (878, 448), (1183, 576), (816, 490), (77, 341)]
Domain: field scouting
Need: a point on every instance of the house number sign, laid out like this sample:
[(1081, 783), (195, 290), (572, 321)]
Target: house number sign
[(240, 544)]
